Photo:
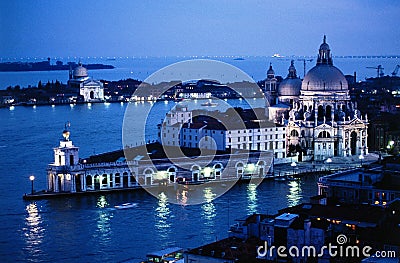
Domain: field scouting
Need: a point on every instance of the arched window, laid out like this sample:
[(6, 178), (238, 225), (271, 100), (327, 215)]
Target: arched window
[(294, 133), (324, 134)]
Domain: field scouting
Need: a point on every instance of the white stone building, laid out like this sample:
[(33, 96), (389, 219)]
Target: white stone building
[(322, 120), (91, 90), (169, 130)]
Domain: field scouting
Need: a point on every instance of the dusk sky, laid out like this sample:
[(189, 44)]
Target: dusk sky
[(185, 28)]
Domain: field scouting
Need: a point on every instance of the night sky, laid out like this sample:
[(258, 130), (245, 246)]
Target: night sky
[(186, 28)]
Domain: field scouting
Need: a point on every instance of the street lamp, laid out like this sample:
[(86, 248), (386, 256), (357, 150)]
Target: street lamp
[(361, 157), (293, 164), (329, 160), (32, 178)]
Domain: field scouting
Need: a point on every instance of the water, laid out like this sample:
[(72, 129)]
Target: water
[(141, 67), (89, 229)]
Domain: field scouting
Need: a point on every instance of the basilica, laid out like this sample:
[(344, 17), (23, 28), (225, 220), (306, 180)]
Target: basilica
[(90, 89), (320, 119)]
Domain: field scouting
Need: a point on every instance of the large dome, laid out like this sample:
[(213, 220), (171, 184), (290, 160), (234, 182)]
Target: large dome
[(324, 77), (80, 72)]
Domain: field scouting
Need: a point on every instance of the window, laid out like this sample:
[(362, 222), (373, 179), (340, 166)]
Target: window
[(294, 133), (276, 145), (271, 145), (276, 136), (258, 137), (238, 139), (250, 138)]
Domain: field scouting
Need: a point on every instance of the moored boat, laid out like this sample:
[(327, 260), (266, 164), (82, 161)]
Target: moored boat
[(126, 206)]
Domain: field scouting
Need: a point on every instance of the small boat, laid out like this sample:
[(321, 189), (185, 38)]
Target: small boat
[(192, 182), (209, 104), (280, 178), (170, 255), (126, 206)]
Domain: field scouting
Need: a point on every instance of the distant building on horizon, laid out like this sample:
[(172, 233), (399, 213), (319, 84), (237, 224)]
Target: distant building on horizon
[(91, 90)]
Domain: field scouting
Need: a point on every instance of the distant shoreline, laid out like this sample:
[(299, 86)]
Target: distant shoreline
[(46, 66)]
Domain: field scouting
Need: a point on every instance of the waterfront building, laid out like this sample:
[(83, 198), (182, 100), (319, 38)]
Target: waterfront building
[(92, 90), (169, 130), (375, 187), (322, 120), (135, 167), (180, 128)]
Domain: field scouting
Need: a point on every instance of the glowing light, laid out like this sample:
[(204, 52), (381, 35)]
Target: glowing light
[(31, 177)]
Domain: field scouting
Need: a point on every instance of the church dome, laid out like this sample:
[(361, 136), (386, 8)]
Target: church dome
[(324, 76), (291, 85), (80, 72)]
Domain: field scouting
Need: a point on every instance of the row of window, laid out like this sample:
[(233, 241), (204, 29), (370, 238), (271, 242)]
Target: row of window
[(258, 130), (266, 137), (267, 146)]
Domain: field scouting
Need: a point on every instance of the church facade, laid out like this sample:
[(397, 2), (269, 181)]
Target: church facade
[(91, 90), (321, 120)]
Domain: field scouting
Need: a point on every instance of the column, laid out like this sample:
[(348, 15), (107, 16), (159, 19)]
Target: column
[(73, 181), (83, 182), (55, 178), (92, 181)]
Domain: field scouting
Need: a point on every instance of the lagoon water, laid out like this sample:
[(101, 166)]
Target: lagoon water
[(88, 229)]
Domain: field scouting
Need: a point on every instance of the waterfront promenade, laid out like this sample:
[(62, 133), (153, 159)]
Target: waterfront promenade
[(338, 163)]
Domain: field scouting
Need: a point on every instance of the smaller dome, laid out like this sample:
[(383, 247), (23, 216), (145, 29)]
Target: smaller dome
[(289, 87), (80, 72)]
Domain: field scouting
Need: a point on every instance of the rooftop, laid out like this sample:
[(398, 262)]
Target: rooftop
[(352, 213), (153, 151)]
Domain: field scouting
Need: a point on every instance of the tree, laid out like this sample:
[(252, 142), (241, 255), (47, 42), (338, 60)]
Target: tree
[(40, 84)]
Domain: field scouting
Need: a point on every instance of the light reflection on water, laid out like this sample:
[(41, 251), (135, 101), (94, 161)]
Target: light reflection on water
[(162, 224), (103, 231), (208, 213), (34, 232), (251, 199), (294, 196)]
